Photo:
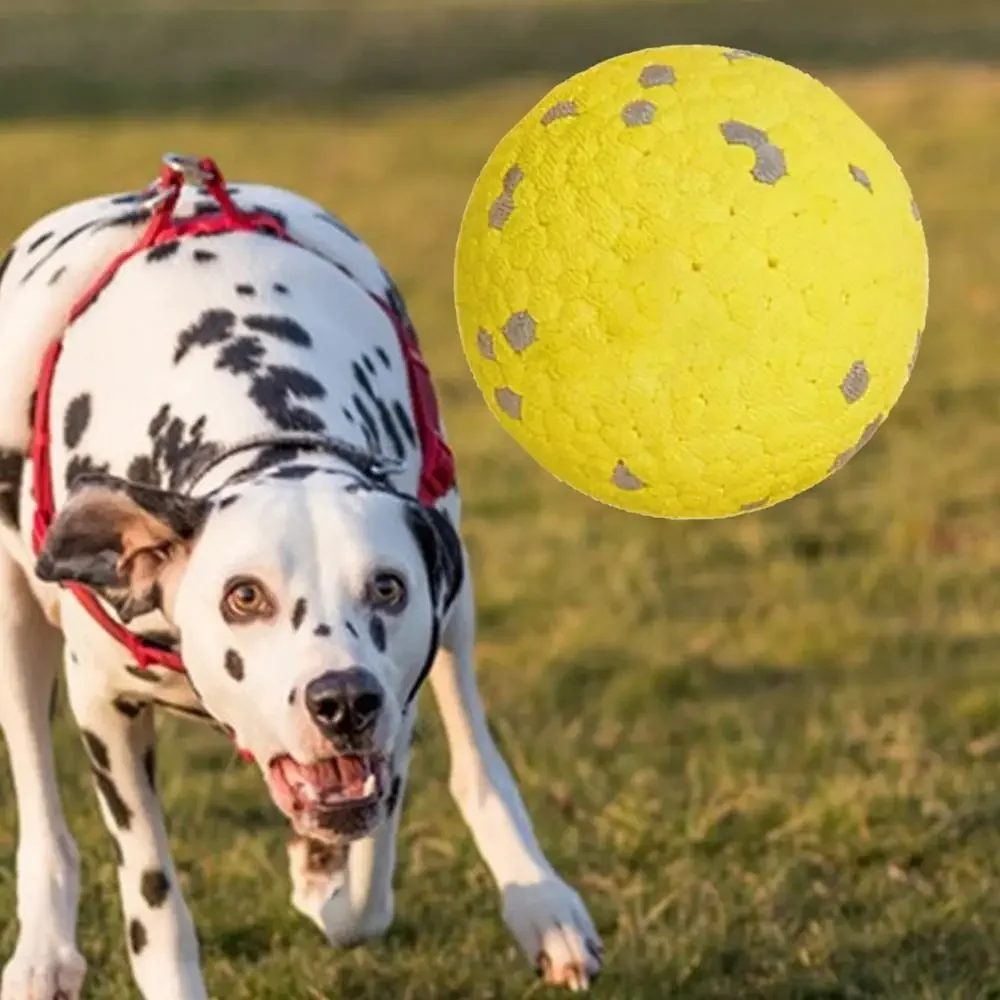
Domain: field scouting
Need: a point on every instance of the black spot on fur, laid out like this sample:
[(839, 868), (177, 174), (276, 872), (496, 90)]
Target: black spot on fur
[(350, 628), (213, 326), (242, 356), (322, 630), (5, 262), (393, 799), (141, 674), (292, 695), (160, 640), (404, 421), (130, 198), (130, 709), (204, 256), (383, 356), (56, 247), (280, 288), (154, 887), (76, 420), (389, 426), (228, 501), (337, 224), (362, 379), (348, 416), (234, 665), (283, 328), (120, 812), (38, 242), (279, 216), (368, 363), (132, 218), (274, 391), (11, 471), (294, 472), (368, 422), (164, 251), (97, 749), (57, 274), (142, 470), (137, 937), (81, 465), (299, 613), (178, 451), (246, 290), (376, 628), (149, 766), (204, 208)]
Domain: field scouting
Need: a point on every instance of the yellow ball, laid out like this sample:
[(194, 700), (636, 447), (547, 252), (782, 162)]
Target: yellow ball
[(691, 282)]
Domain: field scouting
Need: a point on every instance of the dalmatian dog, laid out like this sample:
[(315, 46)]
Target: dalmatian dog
[(235, 463)]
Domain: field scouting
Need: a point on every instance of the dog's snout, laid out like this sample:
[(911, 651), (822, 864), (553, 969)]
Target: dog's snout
[(344, 703)]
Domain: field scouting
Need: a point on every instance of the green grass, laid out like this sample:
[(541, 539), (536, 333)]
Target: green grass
[(766, 749)]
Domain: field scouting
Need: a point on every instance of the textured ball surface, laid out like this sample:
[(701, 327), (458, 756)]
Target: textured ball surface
[(691, 282)]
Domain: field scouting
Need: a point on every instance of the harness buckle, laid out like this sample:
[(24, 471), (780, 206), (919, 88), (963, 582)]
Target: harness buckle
[(192, 169)]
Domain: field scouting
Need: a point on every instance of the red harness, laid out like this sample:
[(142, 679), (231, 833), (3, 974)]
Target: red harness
[(437, 474)]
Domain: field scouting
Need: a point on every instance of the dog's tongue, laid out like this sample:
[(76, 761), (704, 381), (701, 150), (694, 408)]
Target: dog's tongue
[(337, 781)]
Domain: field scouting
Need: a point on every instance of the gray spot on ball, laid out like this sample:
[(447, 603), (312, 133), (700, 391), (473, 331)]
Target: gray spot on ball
[(484, 341), (756, 505), (861, 177), (501, 209), (742, 134), (638, 113), (769, 165), (855, 383), (509, 401), (733, 55), (914, 209), (657, 76), (561, 109), (625, 479), (519, 331), (866, 435)]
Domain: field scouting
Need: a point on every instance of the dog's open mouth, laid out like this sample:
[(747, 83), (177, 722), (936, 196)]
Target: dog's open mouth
[(341, 784)]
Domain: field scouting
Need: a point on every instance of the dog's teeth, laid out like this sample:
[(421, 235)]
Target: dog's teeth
[(370, 786)]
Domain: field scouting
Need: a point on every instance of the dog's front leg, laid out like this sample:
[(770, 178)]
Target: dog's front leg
[(45, 963), (347, 892), (118, 735), (546, 916)]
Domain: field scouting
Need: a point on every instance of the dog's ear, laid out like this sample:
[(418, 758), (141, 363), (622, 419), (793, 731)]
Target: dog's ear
[(120, 539), (441, 549)]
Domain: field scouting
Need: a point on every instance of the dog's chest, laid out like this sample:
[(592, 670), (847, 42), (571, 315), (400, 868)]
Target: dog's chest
[(203, 343)]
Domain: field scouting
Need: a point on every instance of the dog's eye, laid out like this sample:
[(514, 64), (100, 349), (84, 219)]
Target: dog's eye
[(387, 592), (246, 600)]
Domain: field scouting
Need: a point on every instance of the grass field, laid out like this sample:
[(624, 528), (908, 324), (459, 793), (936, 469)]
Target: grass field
[(767, 750)]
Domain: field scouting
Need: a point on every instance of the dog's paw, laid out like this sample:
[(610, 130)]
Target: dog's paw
[(552, 926), (319, 880), (43, 970)]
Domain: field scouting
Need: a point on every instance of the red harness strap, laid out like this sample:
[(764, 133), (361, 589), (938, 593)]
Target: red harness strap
[(437, 474)]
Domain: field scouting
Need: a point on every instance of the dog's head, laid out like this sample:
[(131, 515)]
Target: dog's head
[(308, 604)]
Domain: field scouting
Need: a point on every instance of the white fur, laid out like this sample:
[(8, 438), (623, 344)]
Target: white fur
[(309, 539)]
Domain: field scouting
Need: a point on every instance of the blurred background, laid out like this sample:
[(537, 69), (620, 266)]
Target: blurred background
[(767, 750)]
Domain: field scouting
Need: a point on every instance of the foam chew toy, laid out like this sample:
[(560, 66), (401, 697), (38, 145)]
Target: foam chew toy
[(691, 282)]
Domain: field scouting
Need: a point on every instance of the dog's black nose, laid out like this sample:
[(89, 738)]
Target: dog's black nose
[(344, 703)]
